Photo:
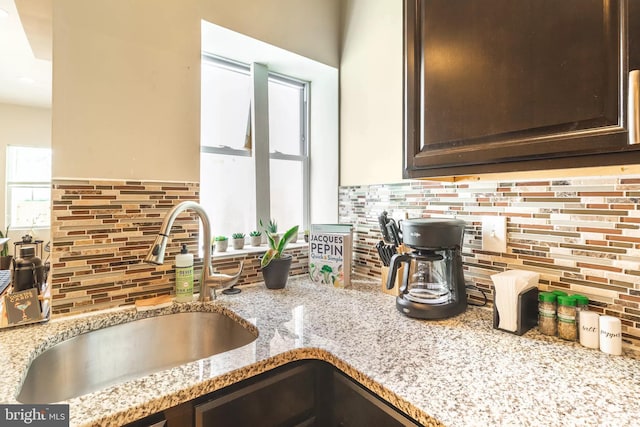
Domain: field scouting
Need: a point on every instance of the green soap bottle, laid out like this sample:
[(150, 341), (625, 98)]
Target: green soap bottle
[(184, 275)]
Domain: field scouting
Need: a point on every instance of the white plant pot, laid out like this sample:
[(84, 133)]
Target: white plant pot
[(238, 243), (255, 240), (222, 245)]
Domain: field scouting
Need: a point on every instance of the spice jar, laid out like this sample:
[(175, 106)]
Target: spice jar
[(547, 313), (582, 304), (567, 329)]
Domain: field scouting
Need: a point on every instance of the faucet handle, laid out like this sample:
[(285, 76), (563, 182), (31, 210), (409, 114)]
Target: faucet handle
[(221, 280)]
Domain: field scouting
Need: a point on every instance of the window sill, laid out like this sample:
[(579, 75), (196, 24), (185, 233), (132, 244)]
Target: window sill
[(247, 250)]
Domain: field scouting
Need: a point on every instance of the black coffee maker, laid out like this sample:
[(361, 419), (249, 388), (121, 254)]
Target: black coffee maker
[(433, 282), (28, 271)]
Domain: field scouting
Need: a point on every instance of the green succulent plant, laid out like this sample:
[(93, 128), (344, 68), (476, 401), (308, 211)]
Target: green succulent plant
[(238, 235), (274, 251), (220, 238), (255, 233), (271, 227)]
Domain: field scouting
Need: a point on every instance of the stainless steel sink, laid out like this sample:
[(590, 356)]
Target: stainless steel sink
[(104, 357)]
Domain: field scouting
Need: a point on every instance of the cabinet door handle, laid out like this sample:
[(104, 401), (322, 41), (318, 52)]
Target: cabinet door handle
[(633, 107)]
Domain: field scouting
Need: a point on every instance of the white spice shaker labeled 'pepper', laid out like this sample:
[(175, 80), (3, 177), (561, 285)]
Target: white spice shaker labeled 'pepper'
[(589, 325), (610, 335)]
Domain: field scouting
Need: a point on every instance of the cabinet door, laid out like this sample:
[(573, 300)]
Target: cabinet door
[(504, 85), (355, 406), (284, 399)]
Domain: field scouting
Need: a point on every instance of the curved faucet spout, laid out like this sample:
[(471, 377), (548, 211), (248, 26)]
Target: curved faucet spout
[(156, 252)]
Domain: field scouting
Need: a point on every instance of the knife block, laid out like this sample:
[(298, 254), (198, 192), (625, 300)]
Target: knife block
[(527, 312), (395, 291)]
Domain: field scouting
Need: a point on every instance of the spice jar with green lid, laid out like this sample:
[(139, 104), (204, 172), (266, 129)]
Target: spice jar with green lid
[(547, 313), (582, 303), (558, 293), (567, 328)]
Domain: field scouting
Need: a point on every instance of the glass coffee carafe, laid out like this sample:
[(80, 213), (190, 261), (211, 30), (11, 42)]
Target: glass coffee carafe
[(432, 285), (428, 283)]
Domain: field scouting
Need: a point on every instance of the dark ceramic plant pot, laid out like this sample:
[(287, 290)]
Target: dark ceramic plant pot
[(276, 273)]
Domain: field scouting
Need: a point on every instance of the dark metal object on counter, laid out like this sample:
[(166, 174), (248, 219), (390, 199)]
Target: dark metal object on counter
[(389, 228), (386, 252), (28, 271)]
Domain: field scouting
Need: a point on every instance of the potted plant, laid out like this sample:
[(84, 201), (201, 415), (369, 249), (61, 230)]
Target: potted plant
[(306, 236), (5, 258), (255, 237), (271, 229), (237, 240), (221, 242), (275, 264)]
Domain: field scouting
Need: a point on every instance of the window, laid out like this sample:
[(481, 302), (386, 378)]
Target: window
[(254, 155), (28, 187)]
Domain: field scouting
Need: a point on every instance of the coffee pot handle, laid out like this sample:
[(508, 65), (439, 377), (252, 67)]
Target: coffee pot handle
[(393, 268)]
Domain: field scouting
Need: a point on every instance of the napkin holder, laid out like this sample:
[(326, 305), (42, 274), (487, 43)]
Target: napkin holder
[(527, 312)]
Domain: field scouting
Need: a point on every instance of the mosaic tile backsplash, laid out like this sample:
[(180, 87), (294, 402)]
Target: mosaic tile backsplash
[(581, 234), (102, 230)]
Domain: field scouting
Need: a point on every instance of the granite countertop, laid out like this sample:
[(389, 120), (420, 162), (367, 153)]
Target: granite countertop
[(456, 372)]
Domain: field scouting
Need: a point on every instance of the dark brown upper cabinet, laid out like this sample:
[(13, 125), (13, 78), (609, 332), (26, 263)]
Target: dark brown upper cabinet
[(515, 85)]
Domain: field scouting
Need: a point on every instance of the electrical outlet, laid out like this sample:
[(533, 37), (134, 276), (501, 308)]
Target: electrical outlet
[(494, 233)]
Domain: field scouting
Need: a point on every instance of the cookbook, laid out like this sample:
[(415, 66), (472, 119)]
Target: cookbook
[(330, 254)]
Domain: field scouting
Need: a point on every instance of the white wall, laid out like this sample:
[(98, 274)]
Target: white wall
[(371, 92), (126, 92), (23, 126), (309, 28)]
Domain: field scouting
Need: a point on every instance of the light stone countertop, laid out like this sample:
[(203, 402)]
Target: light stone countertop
[(456, 372)]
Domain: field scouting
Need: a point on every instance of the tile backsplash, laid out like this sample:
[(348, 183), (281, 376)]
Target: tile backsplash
[(581, 234), (102, 230)]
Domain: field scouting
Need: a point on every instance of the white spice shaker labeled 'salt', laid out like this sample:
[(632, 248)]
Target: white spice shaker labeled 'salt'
[(610, 335), (589, 324)]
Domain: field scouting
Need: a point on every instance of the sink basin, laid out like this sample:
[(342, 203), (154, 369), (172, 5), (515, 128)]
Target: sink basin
[(104, 357)]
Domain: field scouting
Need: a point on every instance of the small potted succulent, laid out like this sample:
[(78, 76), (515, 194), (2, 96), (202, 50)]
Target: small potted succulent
[(271, 229), (275, 264), (221, 242), (306, 236), (255, 237), (237, 240)]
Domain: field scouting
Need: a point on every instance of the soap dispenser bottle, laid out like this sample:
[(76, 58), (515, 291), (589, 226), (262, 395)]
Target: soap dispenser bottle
[(184, 275)]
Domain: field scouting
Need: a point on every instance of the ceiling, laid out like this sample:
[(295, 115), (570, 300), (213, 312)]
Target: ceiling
[(25, 53)]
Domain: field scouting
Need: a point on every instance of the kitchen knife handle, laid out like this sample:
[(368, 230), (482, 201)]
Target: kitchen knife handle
[(382, 222), (393, 268), (393, 231)]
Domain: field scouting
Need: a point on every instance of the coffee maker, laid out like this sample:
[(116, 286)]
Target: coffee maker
[(433, 285), (28, 271)]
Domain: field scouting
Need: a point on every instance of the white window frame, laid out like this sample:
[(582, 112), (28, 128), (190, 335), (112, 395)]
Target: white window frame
[(11, 185), (259, 131)]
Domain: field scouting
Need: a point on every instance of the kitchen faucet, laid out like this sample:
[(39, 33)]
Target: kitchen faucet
[(208, 279)]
